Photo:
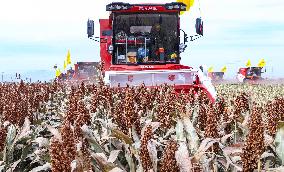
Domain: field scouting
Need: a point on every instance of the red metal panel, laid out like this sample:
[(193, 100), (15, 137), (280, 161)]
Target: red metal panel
[(105, 43), (243, 71)]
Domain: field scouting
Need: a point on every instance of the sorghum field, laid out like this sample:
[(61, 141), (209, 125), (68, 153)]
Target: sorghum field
[(57, 127)]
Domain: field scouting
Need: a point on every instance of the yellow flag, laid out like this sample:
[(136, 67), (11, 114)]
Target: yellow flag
[(57, 73), (210, 69), (68, 58), (64, 65), (224, 69), (188, 3), (248, 63), (261, 63)]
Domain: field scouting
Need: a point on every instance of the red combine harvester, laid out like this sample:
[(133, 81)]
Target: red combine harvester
[(140, 43), (84, 71), (250, 74)]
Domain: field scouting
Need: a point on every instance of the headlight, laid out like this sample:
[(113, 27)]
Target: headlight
[(118, 6), (175, 6), (170, 7)]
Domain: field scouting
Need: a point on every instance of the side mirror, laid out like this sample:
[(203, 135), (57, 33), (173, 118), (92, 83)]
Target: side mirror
[(90, 28), (199, 26)]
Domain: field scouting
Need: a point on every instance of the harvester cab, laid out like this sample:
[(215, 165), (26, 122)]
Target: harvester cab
[(142, 44)]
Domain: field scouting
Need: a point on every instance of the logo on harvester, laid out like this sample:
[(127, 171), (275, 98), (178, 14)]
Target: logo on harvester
[(130, 78), (172, 77), (147, 8)]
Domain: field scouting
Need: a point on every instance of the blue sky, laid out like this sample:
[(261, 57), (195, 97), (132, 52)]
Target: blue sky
[(35, 35)]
